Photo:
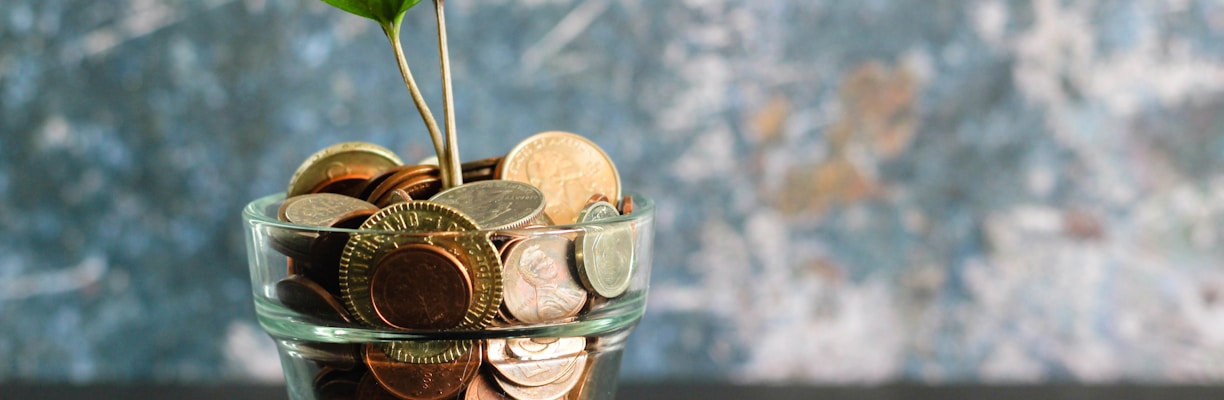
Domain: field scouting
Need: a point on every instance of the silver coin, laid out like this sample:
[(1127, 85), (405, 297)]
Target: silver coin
[(495, 204), (604, 253)]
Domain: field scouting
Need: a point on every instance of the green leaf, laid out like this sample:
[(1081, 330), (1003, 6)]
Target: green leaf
[(385, 12)]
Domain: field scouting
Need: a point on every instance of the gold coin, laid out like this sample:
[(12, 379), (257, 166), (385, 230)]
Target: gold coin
[(568, 168), (341, 161), (604, 252), (421, 222)]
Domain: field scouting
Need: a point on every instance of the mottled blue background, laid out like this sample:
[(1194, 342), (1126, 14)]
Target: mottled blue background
[(935, 191)]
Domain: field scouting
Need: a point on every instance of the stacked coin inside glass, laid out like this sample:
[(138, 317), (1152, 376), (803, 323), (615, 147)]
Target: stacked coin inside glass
[(522, 283)]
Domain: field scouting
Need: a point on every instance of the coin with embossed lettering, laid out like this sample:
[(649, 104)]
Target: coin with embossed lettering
[(495, 205), (537, 285), (348, 162), (568, 168), (603, 253), (418, 222), (421, 381), (420, 286)]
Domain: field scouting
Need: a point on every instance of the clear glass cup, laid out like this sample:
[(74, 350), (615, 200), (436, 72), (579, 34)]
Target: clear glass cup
[(327, 355)]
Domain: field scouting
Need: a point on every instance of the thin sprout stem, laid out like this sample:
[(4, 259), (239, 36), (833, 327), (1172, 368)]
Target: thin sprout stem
[(392, 33), (448, 104)]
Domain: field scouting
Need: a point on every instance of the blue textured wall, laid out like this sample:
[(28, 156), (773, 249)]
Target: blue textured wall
[(848, 191)]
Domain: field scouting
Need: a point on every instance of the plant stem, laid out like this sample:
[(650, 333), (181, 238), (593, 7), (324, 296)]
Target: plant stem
[(392, 32), (448, 104)]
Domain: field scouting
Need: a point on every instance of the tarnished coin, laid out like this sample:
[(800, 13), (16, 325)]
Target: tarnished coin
[(604, 253), (495, 205), (482, 388), (325, 250), (423, 381), (420, 286), (568, 168), (480, 170), (339, 162), (537, 284), (300, 294), (528, 372), (554, 390)]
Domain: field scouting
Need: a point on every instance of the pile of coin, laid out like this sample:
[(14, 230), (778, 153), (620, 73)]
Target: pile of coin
[(413, 256)]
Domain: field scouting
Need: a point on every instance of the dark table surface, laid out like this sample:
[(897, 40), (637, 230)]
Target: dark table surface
[(662, 391)]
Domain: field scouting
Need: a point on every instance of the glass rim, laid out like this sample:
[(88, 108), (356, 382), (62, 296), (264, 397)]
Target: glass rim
[(254, 212)]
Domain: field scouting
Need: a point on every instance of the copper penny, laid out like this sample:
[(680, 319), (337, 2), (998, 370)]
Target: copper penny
[(568, 168), (369, 388), (482, 388), (597, 197), (423, 381), (480, 170), (398, 180), (537, 284), (535, 348), (421, 222), (626, 205), (341, 161), (417, 187), (377, 180), (326, 248), (302, 295), (420, 286), (399, 196)]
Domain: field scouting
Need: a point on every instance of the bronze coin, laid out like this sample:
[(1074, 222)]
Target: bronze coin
[(362, 253), (369, 388), (347, 160), (398, 180), (302, 295), (325, 251), (423, 381), (482, 388), (378, 180), (480, 170), (420, 286), (597, 197), (346, 185), (417, 187), (626, 205)]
